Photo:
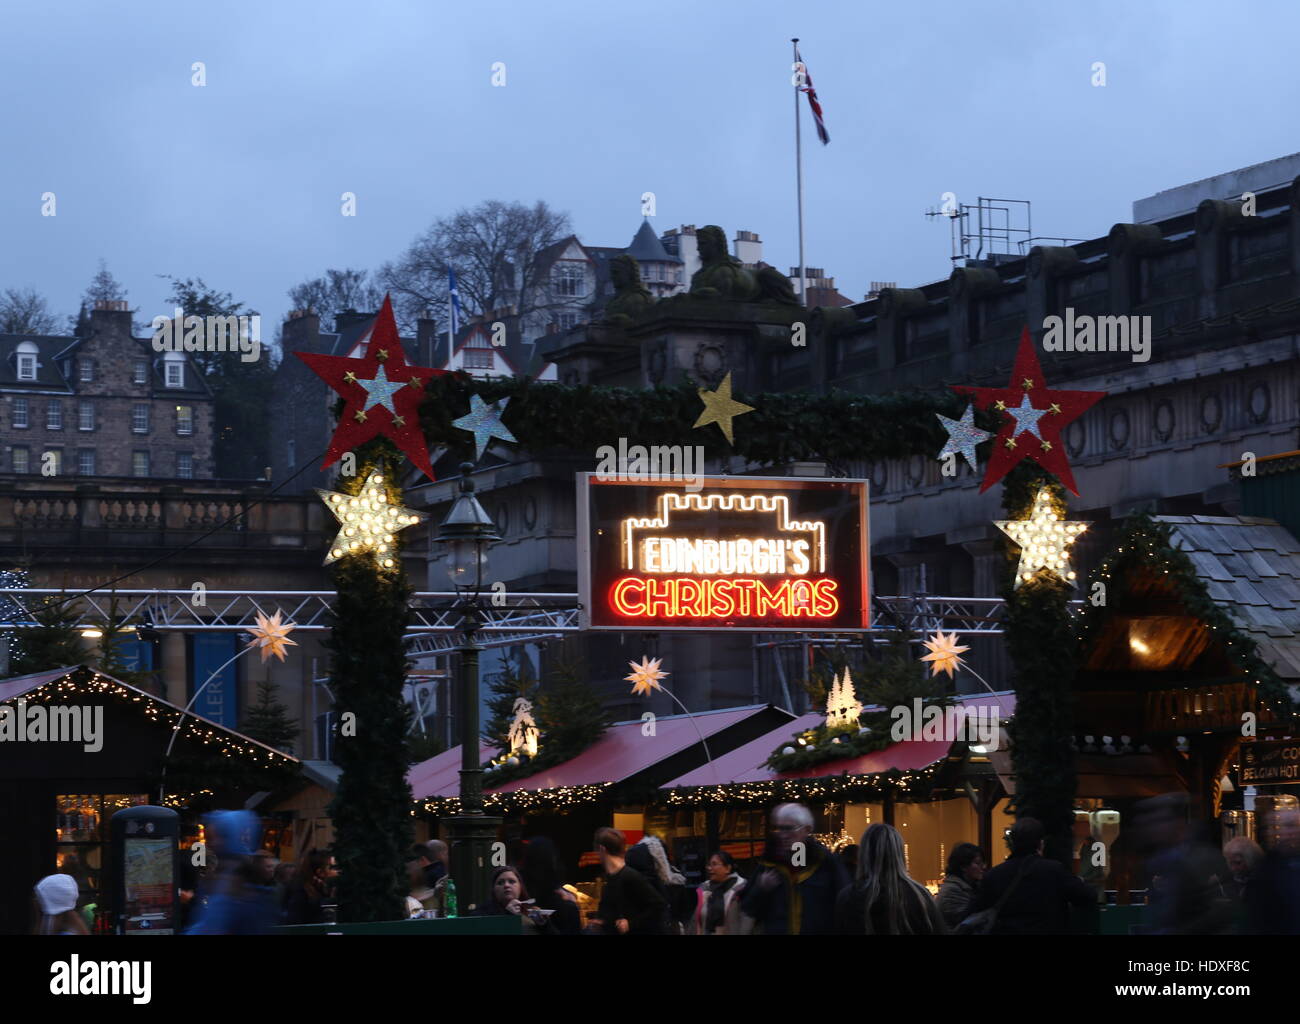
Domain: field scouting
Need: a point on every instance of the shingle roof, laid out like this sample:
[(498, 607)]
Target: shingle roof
[(646, 246), (1251, 568)]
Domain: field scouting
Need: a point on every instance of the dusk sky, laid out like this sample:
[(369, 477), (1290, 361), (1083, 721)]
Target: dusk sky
[(239, 182)]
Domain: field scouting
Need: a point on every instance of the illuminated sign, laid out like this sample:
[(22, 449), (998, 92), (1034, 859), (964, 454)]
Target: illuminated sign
[(765, 553)]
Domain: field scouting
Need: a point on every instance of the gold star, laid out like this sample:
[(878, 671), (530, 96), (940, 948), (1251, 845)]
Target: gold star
[(1011, 442), (720, 408), (945, 653), (350, 377), (1047, 446), (1027, 383), (1044, 540), (416, 383), (360, 415), (382, 354), (367, 521), (645, 676), (271, 635), (1000, 406), (1054, 408), (399, 421)]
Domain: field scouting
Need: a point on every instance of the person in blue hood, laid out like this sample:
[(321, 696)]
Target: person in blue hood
[(236, 903)]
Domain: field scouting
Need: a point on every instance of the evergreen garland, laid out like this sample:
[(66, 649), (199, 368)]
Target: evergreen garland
[(1146, 547), (372, 808), (784, 426), (1040, 638)]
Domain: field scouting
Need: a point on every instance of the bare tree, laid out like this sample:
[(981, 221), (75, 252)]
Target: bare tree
[(336, 291), (494, 249), (25, 311)]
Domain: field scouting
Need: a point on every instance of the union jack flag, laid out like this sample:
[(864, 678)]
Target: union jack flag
[(813, 104)]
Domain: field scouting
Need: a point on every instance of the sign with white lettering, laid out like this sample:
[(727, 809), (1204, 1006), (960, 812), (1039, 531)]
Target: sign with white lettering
[(761, 553), (1270, 762)]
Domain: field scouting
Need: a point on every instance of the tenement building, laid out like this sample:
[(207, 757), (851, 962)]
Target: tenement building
[(102, 404)]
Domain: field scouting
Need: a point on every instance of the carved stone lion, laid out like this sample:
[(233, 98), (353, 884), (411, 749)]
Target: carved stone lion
[(722, 276), (631, 297)]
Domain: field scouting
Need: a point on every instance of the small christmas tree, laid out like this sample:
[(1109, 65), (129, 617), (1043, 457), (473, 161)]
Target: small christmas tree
[(268, 720), (842, 706), (54, 643), (114, 632)]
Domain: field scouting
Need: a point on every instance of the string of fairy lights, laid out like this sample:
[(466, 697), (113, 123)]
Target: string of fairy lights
[(556, 799), (227, 744)]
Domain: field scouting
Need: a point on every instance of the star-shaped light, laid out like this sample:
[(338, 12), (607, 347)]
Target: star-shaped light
[(1027, 417), (721, 408), (376, 382), (484, 422), (963, 436), (1064, 407), (944, 653), (645, 676), (380, 390), (1044, 540), (271, 636), (367, 522)]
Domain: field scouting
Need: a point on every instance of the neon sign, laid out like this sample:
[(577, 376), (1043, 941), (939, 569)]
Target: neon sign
[(760, 552)]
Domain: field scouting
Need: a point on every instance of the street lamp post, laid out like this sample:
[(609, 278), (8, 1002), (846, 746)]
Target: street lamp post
[(467, 531)]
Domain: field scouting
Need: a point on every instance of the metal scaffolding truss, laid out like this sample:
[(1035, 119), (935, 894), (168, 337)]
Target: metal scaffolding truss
[(519, 618)]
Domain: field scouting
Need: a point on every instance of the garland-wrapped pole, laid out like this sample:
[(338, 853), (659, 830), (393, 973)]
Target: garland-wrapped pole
[(372, 808), (1041, 642)]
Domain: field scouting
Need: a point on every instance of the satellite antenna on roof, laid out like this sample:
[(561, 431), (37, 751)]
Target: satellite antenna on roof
[(992, 231)]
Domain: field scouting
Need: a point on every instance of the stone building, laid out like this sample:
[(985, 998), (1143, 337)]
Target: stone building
[(102, 404), (1221, 288)]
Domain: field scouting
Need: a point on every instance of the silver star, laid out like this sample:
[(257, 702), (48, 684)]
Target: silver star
[(380, 391), (1027, 417), (963, 436), (484, 422)]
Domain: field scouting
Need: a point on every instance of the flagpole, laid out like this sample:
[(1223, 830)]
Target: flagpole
[(798, 171)]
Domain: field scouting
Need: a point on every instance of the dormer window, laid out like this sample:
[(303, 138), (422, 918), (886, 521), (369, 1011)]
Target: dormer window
[(569, 279), (27, 361), (174, 370)]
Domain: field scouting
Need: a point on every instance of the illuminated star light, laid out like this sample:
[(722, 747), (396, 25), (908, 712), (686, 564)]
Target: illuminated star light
[(944, 653), (721, 408), (271, 636), (367, 521), (963, 436), (1044, 540), (645, 676), (484, 422), (380, 391)]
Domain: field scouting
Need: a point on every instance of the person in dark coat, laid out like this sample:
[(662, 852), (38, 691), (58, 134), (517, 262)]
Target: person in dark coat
[(1186, 895), (961, 883), (798, 880), (507, 895), (542, 877), (1045, 891), (629, 904), (311, 890), (885, 900)]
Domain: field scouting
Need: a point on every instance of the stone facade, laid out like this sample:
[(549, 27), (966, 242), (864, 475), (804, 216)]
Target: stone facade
[(105, 403)]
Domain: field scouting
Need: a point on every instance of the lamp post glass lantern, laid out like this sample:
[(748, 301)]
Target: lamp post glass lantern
[(467, 531)]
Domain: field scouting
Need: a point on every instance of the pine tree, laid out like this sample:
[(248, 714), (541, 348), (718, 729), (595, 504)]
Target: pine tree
[(114, 631), (54, 643), (268, 720), (510, 684), (898, 678), (569, 712)]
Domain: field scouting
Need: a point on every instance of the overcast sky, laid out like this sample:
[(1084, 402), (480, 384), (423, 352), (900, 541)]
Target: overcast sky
[(239, 182)]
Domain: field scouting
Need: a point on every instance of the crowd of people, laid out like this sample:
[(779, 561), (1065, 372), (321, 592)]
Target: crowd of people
[(799, 886)]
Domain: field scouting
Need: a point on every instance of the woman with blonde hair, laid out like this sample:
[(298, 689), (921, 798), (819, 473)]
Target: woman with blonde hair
[(884, 900)]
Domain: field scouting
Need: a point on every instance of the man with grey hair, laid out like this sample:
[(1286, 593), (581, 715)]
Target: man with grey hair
[(798, 880)]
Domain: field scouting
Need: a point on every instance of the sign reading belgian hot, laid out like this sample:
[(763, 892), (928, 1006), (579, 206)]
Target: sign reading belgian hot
[(763, 553)]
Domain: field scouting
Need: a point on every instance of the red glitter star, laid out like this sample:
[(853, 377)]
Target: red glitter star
[(1060, 409), (358, 424)]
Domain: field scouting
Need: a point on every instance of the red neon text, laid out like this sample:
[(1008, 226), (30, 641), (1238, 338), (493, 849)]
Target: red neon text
[(682, 597)]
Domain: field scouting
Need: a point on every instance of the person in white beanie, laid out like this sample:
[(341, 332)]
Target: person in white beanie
[(57, 895)]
